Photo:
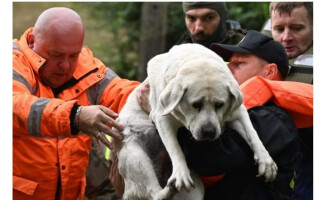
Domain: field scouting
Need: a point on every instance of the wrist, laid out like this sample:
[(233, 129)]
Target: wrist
[(77, 117), (74, 119)]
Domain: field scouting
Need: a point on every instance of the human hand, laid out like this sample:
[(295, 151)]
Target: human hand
[(143, 96), (115, 178), (94, 121)]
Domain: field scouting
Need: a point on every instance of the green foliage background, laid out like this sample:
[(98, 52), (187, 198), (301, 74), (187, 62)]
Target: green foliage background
[(113, 28)]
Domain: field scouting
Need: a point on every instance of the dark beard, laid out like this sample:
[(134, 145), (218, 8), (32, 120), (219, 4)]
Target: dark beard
[(216, 37), (200, 34)]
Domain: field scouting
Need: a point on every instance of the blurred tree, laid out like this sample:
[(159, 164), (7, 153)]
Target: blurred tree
[(176, 24), (153, 33), (251, 15), (122, 19)]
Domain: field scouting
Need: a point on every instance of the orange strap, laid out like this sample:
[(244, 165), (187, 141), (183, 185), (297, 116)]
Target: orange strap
[(211, 180)]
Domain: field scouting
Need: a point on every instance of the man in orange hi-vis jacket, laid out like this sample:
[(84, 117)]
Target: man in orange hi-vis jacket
[(63, 98)]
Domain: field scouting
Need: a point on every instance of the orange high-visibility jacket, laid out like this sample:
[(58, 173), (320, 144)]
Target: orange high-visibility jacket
[(294, 97), (43, 147)]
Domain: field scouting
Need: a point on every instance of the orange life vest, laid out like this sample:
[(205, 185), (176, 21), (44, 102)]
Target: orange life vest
[(43, 148), (294, 97)]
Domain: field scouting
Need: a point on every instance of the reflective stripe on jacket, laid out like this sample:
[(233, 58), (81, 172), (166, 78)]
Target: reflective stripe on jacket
[(43, 147)]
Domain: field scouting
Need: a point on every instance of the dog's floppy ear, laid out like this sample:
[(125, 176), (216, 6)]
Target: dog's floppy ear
[(235, 98), (171, 96)]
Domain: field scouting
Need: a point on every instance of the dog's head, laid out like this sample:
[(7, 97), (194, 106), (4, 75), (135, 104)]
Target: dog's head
[(202, 97)]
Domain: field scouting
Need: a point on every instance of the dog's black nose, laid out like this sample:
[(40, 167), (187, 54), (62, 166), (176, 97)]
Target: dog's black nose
[(208, 131)]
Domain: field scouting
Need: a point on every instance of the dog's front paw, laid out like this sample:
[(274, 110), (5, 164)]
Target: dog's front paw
[(181, 178), (266, 167)]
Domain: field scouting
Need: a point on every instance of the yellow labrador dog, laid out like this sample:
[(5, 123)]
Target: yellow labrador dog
[(190, 86)]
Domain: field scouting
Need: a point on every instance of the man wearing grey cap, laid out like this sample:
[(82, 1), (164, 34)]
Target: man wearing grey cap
[(207, 23), (256, 54)]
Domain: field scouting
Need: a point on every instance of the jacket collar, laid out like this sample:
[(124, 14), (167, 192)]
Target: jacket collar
[(33, 58)]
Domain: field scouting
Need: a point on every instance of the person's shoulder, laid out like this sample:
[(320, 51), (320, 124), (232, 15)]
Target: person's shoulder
[(233, 37), (270, 110), (302, 67), (266, 29), (185, 38), (271, 120), (88, 62), (234, 33), (86, 51), (304, 59), (86, 55)]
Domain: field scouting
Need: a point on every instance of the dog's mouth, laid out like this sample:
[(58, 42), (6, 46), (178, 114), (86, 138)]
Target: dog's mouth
[(207, 132), (203, 138)]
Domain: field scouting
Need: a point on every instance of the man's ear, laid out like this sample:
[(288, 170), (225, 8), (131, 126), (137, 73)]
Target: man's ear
[(30, 40), (272, 72)]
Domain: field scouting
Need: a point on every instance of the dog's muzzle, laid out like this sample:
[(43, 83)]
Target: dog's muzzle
[(208, 131)]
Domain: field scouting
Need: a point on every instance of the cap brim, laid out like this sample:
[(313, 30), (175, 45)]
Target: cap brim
[(225, 51)]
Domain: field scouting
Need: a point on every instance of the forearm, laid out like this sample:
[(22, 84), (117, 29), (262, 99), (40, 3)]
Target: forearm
[(41, 116)]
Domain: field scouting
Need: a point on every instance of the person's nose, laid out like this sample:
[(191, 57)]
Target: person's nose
[(64, 64), (231, 68), (199, 26), (287, 35)]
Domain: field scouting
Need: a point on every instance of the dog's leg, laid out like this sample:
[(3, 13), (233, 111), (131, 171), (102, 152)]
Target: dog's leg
[(242, 124), (196, 193), (138, 172), (180, 172)]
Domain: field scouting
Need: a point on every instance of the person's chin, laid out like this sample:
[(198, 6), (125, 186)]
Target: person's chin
[(57, 83), (292, 54)]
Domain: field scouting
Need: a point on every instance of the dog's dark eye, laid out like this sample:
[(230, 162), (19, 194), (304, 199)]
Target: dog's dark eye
[(218, 105), (197, 105)]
